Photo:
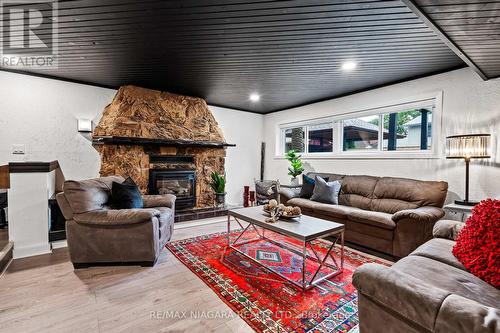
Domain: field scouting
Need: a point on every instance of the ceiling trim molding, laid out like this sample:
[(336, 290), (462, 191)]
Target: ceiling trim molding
[(58, 78), (444, 37)]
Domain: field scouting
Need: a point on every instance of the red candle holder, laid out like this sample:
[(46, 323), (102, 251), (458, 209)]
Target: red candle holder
[(252, 198), (246, 196)]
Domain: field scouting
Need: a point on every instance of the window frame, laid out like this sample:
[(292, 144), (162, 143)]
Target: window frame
[(420, 101), (306, 125)]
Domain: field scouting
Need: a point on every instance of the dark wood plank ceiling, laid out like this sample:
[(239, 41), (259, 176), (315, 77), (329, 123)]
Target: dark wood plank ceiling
[(290, 52), (473, 26)]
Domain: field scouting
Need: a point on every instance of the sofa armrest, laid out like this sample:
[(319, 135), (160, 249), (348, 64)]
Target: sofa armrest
[(287, 194), (447, 229), (409, 298), (424, 214), (117, 216), (460, 314), (158, 200)]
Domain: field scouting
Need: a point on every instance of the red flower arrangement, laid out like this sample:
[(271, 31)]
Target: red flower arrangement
[(478, 243)]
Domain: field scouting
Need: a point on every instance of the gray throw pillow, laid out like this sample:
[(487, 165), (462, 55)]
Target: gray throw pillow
[(326, 192)]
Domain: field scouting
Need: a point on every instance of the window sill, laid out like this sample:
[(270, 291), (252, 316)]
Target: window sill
[(367, 156)]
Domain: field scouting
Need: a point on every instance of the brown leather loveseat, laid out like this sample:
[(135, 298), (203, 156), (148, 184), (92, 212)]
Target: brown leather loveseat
[(386, 214), (428, 291), (97, 234)]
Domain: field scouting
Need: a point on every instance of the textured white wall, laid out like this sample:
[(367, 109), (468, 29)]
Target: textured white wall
[(42, 114), (469, 105), (243, 161)]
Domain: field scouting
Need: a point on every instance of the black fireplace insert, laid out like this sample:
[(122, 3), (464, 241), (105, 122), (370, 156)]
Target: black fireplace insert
[(179, 182)]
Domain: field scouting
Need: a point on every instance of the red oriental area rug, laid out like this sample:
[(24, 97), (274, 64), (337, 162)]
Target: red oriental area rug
[(266, 301)]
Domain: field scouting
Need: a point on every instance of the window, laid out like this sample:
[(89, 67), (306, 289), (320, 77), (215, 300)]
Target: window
[(404, 130), (361, 133), (294, 139), (409, 130), (319, 138)]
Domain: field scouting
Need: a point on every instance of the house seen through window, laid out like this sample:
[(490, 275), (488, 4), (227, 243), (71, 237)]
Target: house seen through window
[(405, 130)]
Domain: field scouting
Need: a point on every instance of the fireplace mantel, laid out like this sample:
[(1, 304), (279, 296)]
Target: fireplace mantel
[(131, 141)]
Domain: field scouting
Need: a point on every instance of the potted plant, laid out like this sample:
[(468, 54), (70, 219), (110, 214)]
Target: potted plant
[(218, 184), (295, 168)]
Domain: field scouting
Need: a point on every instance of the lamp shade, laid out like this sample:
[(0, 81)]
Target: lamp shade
[(468, 146)]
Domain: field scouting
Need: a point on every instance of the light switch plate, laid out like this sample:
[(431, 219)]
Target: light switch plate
[(18, 149)]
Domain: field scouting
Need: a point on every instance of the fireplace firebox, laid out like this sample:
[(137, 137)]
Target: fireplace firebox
[(179, 182)]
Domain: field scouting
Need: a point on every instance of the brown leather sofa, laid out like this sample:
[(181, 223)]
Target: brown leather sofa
[(385, 214), (97, 234), (428, 291)]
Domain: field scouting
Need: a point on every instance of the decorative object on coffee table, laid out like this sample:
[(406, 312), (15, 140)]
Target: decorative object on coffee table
[(218, 184), (468, 146), (276, 211), (295, 169)]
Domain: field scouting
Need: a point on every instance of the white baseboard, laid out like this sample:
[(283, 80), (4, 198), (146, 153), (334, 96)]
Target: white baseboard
[(29, 251), (197, 223), (59, 244)]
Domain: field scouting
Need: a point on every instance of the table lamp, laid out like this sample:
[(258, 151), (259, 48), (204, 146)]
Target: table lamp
[(468, 146)]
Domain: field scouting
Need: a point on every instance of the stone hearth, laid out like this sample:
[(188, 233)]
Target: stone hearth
[(140, 124)]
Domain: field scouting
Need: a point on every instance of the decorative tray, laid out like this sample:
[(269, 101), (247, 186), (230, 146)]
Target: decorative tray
[(267, 211)]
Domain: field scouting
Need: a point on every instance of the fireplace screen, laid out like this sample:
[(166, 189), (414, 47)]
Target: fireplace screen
[(180, 183)]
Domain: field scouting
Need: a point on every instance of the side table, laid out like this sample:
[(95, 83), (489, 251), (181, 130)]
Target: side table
[(458, 212)]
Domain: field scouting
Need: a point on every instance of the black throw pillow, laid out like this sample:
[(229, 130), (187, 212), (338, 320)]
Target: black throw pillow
[(126, 195), (307, 189)]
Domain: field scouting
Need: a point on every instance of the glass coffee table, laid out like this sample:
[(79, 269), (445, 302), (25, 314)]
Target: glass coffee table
[(303, 232)]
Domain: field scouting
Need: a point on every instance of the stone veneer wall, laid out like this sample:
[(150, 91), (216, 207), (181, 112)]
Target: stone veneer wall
[(142, 113)]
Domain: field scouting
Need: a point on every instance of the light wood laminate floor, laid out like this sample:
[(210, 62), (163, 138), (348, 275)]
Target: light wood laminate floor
[(45, 294)]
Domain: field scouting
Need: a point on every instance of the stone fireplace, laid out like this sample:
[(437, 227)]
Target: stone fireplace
[(166, 143)]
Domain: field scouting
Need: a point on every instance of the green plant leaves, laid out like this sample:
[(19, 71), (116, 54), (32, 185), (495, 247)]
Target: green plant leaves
[(218, 182), (296, 167)]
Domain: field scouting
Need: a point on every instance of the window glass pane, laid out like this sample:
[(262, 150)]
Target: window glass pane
[(295, 139), (320, 138), (361, 134), (408, 127)]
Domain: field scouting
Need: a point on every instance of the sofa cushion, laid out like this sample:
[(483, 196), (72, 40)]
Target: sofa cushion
[(326, 192), (108, 217), (449, 278), (338, 211), (307, 189), (394, 194), (88, 195), (357, 191), (378, 219), (304, 204), (126, 195), (439, 249)]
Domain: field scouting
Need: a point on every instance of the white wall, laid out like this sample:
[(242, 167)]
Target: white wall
[(243, 161), (469, 105), (42, 114)]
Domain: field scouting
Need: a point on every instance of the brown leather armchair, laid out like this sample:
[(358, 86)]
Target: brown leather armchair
[(97, 234)]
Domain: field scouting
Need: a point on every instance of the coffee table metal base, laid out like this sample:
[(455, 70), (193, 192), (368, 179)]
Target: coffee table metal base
[(305, 283)]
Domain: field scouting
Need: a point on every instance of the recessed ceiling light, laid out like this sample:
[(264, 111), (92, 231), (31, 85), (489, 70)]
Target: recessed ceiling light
[(254, 97), (349, 65)]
